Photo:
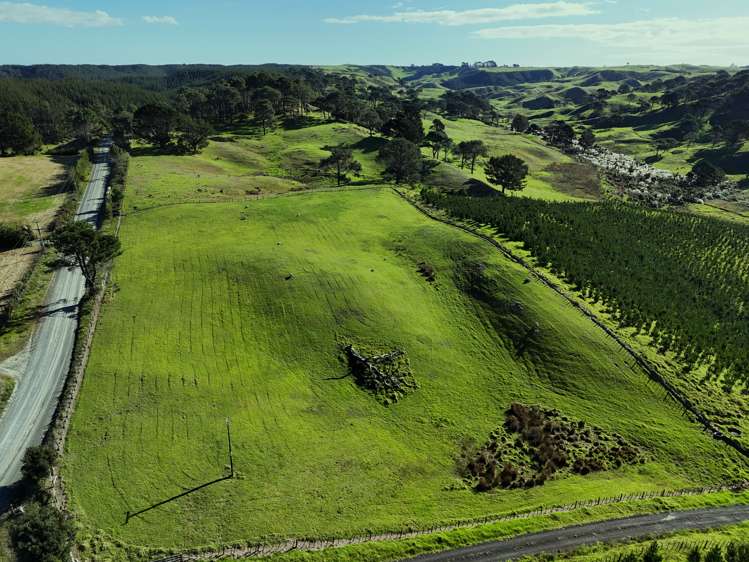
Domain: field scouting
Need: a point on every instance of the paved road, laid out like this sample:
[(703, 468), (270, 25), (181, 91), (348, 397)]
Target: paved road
[(616, 530), (43, 367)]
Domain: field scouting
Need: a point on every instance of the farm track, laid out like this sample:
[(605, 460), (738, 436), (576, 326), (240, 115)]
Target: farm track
[(615, 530), (42, 376), (640, 359)]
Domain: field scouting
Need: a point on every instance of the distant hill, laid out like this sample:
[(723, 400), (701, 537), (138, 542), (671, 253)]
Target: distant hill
[(478, 78)]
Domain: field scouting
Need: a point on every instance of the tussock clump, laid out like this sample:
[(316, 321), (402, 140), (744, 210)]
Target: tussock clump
[(536, 444), (427, 272), (387, 375)]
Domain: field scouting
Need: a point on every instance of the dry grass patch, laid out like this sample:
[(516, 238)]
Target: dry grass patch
[(30, 188), (13, 266)]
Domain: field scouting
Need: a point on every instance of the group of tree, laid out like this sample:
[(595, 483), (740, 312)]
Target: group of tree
[(438, 140), (41, 533), (678, 278), (45, 111), (342, 162), (466, 104), (13, 236)]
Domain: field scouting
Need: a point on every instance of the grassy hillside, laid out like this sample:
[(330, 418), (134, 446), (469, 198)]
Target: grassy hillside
[(239, 309), (244, 164), (553, 175)]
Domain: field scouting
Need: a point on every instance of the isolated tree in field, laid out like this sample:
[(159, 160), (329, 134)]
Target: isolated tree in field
[(38, 463), (588, 138), (195, 134), (155, 124), (520, 123), (436, 140), (86, 247), (17, 134), (402, 161), (265, 115), (41, 534), (664, 145), (560, 133), (706, 174), (470, 151), (508, 172), (671, 99), (371, 120), (341, 160)]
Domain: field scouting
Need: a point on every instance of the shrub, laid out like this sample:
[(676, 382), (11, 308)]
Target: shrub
[(14, 236), (41, 534)]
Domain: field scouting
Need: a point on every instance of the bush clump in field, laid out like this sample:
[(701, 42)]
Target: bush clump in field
[(427, 272), (14, 236), (387, 375), (535, 444)]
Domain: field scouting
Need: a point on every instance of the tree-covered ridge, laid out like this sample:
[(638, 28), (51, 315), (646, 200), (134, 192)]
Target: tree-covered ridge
[(682, 279)]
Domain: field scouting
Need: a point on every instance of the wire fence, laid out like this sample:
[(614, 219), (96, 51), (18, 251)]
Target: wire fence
[(259, 550)]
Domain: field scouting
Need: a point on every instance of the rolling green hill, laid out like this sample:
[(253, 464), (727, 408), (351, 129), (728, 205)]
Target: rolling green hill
[(239, 310)]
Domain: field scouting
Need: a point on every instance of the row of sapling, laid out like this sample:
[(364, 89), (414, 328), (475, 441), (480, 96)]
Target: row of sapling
[(688, 293)]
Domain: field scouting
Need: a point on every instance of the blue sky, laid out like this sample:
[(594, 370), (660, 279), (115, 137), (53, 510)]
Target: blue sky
[(532, 33)]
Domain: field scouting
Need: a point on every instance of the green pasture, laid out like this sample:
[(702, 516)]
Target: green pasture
[(238, 310), (545, 180), (244, 164)]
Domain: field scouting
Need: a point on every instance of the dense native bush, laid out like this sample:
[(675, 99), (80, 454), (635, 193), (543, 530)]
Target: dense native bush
[(679, 278), (387, 375), (535, 444)]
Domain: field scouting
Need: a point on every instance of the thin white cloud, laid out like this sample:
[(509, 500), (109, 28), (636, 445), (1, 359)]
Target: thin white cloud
[(515, 12), (25, 13), (663, 35), (161, 20)]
